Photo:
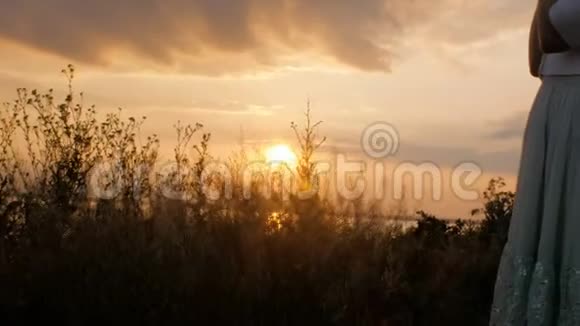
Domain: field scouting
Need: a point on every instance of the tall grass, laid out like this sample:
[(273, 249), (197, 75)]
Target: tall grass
[(70, 257)]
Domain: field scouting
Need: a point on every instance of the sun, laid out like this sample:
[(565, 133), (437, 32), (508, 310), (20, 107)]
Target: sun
[(281, 154)]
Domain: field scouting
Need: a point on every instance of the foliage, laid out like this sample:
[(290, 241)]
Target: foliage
[(497, 212), (139, 257), (309, 142)]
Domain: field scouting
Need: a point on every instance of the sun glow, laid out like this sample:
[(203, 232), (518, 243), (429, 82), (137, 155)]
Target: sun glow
[(281, 154)]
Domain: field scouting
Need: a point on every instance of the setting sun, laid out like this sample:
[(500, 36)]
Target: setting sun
[(281, 154)]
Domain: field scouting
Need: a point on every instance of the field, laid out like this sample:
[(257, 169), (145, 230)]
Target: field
[(140, 256)]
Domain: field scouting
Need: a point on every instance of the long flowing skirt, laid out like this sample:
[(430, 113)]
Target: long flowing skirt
[(538, 281)]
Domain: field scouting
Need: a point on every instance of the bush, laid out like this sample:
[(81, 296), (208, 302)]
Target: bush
[(138, 257)]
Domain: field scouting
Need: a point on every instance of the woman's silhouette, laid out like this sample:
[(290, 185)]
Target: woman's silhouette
[(538, 282)]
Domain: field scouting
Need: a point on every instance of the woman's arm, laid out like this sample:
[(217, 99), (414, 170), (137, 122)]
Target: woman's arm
[(554, 19), (535, 51)]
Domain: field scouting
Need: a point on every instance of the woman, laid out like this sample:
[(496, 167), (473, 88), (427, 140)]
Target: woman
[(538, 281)]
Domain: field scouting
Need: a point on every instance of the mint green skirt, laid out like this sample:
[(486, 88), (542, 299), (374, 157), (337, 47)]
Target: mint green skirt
[(538, 281)]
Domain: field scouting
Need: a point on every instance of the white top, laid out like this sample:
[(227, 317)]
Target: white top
[(565, 16)]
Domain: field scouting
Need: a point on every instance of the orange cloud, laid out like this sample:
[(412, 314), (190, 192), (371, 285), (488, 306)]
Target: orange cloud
[(223, 36)]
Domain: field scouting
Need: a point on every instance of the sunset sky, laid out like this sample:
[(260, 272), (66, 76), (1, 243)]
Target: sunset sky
[(451, 75)]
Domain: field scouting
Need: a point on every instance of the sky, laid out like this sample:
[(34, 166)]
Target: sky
[(450, 75)]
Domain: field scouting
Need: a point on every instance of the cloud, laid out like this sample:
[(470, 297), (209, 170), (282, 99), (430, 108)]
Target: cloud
[(510, 128), (504, 161), (219, 36), (463, 22), (233, 107)]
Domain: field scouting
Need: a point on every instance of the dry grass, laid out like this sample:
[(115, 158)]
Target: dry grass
[(68, 259)]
